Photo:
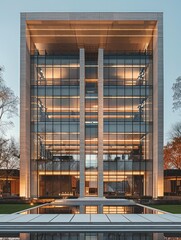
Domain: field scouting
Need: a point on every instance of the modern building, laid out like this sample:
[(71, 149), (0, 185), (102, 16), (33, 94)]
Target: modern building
[(91, 104)]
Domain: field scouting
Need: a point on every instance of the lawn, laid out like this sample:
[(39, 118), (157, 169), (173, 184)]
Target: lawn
[(168, 208), (14, 207)]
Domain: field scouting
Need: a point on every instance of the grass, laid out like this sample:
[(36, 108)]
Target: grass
[(168, 208), (13, 207)]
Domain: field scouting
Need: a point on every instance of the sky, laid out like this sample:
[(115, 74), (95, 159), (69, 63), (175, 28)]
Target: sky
[(10, 39)]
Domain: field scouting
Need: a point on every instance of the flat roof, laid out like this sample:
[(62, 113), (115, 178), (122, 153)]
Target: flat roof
[(67, 32)]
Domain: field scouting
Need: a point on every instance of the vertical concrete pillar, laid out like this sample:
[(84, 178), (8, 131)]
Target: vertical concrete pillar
[(158, 109), (82, 209), (24, 110), (100, 121), (82, 122), (100, 209)]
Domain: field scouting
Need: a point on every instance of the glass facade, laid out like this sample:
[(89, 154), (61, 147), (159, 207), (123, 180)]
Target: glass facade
[(91, 124), (55, 117), (127, 124)]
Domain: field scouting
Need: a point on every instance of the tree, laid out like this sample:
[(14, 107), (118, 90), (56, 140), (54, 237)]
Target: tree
[(8, 105), (172, 151), (172, 154), (9, 150), (9, 154), (176, 131), (177, 94)]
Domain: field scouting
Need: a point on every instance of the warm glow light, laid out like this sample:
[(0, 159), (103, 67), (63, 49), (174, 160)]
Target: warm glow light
[(134, 109), (62, 109), (115, 209), (91, 80), (64, 116), (90, 209), (61, 141), (124, 140), (90, 29), (93, 174), (72, 173), (118, 117), (92, 35)]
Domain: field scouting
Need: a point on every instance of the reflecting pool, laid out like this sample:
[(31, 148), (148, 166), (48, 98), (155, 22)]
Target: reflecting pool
[(88, 209), (91, 236)]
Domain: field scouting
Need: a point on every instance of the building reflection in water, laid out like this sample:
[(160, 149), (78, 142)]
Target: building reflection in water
[(91, 236), (91, 209)]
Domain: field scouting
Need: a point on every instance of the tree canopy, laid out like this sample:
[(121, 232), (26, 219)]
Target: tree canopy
[(172, 151), (172, 154)]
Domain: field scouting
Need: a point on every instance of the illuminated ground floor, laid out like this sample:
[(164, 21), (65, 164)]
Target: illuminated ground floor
[(115, 184)]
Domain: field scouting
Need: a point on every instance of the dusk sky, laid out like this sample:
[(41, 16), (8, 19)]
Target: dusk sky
[(10, 38)]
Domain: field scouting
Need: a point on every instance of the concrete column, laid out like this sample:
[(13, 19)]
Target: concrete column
[(82, 122), (100, 209), (158, 109), (24, 110), (82, 209), (100, 121)]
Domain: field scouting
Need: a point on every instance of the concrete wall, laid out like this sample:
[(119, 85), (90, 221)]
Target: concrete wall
[(82, 122), (100, 121), (158, 108)]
